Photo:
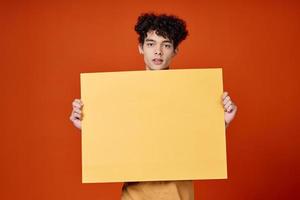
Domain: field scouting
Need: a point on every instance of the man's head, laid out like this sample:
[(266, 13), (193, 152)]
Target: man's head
[(159, 37)]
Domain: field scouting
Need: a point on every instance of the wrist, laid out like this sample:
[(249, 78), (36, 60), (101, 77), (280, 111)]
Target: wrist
[(226, 124)]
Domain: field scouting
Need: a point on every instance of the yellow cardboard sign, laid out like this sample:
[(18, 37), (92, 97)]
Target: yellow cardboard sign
[(153, 125)]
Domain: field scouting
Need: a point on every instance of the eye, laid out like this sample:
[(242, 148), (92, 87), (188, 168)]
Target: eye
[(168, 46), (149, 44)]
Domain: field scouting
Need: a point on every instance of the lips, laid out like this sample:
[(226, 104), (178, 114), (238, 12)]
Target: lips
[(157, 61)]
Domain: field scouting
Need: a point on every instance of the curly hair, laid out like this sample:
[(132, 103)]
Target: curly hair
[(167, 26)]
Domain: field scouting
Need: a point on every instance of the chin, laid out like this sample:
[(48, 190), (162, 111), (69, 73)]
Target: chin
[(158, 68)]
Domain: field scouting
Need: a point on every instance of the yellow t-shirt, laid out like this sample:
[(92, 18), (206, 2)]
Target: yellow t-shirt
[(158, 190)]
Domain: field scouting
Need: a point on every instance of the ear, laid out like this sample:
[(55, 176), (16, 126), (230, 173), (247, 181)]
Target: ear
[(176, 51), (141, 51)]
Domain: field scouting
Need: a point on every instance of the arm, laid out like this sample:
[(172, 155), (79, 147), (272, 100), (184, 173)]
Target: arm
[(230, 108)]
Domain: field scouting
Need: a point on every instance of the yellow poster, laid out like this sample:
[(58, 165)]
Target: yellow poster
[(153, 125)]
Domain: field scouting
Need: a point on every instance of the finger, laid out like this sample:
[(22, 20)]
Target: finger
[(76, 116), (225, 94), (77, 101), (77, 110), (72, 117), (229, 109), (76, 104), (228, 104), (226, 100)]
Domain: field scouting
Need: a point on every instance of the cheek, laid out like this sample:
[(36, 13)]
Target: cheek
[(147, 54), (169, 56)]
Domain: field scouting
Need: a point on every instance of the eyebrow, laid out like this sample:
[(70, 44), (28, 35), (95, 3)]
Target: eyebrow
[(151, 40)]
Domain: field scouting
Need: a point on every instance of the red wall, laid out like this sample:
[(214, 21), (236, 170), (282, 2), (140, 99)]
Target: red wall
[(44, 47)]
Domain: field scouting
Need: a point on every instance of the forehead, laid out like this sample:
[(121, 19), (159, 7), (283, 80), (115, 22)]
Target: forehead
[(152, 36)]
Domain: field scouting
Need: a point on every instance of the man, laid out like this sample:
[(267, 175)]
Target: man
[(159, 37)]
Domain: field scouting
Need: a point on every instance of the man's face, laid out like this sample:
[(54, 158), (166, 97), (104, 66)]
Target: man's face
[(158, 51)]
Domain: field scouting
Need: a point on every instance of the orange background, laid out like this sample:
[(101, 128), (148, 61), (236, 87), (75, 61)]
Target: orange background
[(45, 45)]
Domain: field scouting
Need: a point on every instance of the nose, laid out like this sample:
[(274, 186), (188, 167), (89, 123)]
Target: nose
[(158, 51)]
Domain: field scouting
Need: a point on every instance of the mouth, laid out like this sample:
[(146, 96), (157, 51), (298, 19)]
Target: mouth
[(157, 61)]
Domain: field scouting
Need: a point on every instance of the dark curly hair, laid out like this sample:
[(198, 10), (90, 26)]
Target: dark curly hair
[(167, 26)]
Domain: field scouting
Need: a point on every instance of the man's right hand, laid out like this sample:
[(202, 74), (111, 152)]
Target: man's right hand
[(76, 114)]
